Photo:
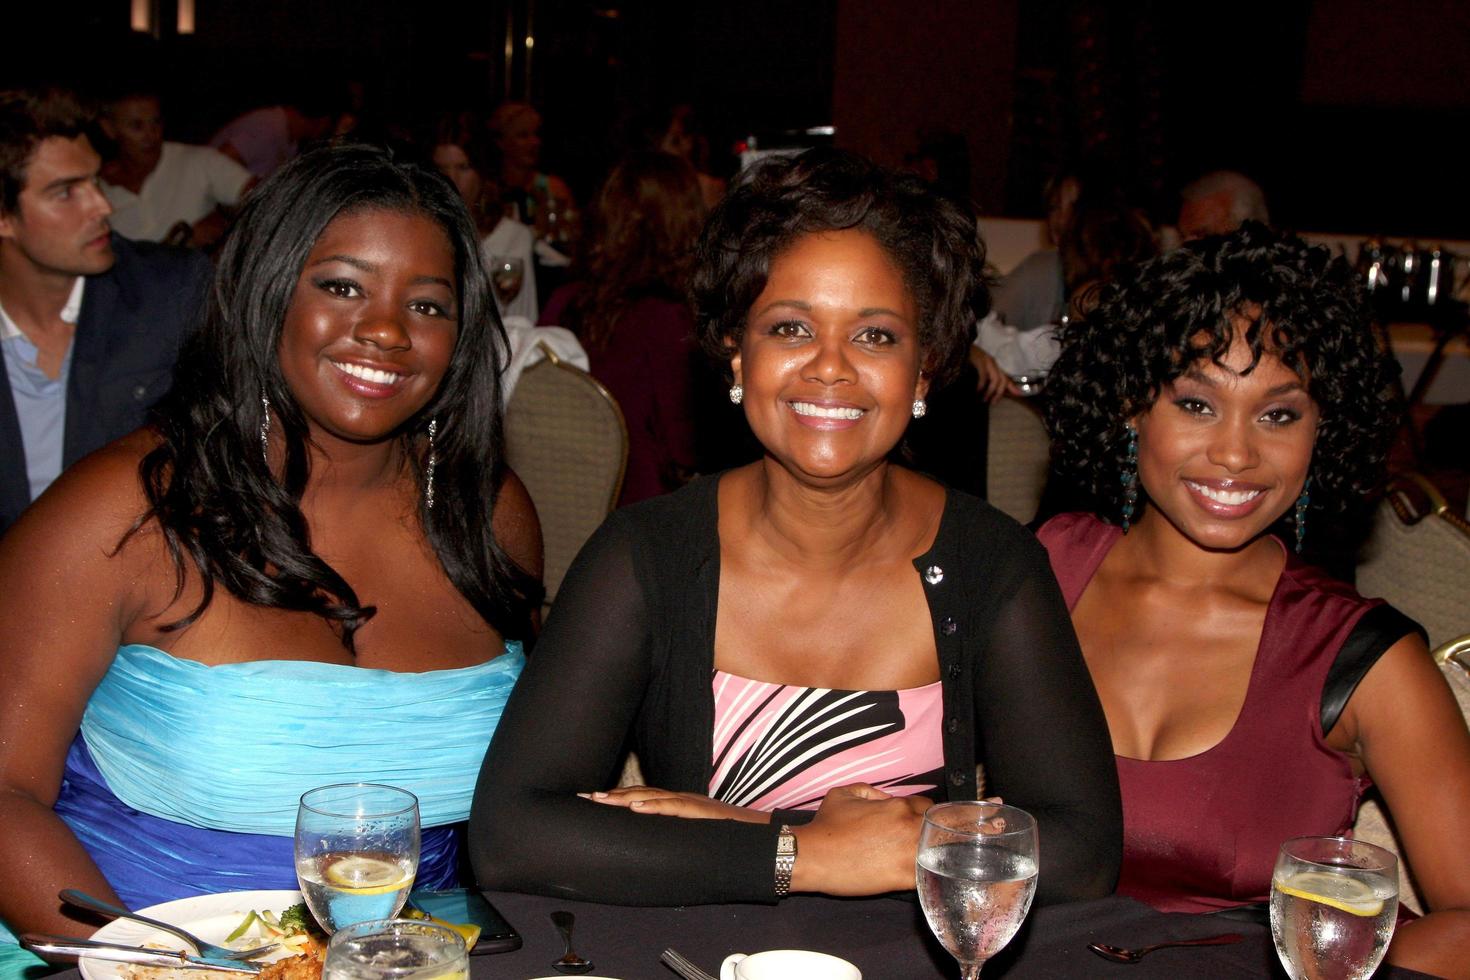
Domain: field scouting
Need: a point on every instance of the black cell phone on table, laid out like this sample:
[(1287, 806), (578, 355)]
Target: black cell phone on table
[(463, 905)]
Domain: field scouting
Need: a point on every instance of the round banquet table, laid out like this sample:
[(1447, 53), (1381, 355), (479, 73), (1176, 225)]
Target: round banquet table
[(886, 938)]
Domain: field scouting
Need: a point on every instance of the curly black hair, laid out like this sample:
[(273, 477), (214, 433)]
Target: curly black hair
[(932, 240), (1156, 319), (221, 508)]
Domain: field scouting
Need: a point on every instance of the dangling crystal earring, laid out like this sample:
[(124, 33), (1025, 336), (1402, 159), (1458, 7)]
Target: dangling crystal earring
[(737, 394), (1130, 479), (429, 466), (265, 428), (919, 409), (1302, 503)]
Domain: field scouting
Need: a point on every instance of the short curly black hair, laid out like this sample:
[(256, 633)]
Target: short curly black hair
[(933, 241), (1156, 319)]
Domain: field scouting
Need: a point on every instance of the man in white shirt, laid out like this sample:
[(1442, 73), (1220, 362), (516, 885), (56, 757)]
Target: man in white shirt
[(89, 323), (161, 190)]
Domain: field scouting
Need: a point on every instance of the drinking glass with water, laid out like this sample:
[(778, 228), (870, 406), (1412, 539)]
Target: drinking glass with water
[(1334, 902), (396, 949), (357, 851), (976, 874)]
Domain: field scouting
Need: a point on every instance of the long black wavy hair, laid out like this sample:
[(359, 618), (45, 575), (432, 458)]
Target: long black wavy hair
[(1157, 319), (220, 507), (933, 240)]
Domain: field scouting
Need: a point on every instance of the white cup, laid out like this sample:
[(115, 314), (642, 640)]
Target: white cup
[(787, 964)]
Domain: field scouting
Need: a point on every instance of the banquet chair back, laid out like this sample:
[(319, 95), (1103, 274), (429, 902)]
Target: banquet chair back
[(1018, 458), (566, 440), (1418, 558), (1373, 824)]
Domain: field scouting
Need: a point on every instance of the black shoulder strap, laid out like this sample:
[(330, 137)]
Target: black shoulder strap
[(1378, 629)]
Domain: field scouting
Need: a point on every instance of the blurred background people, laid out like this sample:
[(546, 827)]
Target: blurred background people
[(265, 138), (163, 190), (627, 306), (463, 152), (1219, 203), (1096, 231), (516, 129)]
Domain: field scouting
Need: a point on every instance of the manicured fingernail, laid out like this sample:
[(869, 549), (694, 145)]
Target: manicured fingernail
[(637, 804)]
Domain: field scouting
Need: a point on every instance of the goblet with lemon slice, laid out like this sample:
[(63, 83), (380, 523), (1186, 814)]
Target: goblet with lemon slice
[(357, 851), (1334, 902)]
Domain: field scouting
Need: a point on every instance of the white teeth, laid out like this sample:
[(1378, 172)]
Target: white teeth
[(1230, 497), (367, 373), (817, 411)]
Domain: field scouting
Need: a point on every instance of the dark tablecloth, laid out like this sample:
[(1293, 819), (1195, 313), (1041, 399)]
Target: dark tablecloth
[(886, 938)]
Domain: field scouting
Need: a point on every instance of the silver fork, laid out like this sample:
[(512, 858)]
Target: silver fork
[(84, 901), (683, 967)]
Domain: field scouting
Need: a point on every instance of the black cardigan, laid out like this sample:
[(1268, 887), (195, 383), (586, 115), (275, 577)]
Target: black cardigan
[(627, 658)]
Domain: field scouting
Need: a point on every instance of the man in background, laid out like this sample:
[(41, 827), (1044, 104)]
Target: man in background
[(1219, 203), (90, 323), (161, 190)]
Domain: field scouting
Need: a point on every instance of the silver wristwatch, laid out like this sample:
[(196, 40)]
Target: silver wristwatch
[(785, 860)]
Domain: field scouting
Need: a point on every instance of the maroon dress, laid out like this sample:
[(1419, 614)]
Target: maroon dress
[(647, 365), (1201, 833)]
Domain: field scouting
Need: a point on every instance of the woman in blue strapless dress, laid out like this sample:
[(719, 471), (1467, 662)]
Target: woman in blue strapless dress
[(312, 567)]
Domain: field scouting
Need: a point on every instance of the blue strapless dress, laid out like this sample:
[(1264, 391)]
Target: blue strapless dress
[(184, 778)]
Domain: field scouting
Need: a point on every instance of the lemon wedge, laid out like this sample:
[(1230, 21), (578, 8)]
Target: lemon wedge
[(1340, 892), (469, 933), (364, 875)]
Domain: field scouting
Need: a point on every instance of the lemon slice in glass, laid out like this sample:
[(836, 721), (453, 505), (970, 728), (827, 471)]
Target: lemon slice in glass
[(1340, 892), (364, 875)]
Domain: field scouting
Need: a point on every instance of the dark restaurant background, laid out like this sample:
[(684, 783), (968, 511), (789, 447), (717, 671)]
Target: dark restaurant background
[(1348, 112)]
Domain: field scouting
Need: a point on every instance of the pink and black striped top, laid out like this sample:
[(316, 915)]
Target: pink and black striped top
[(779, 747)]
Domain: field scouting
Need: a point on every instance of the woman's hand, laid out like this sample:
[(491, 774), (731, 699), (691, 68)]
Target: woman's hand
[(862, 841), (994, 383), (668, 803)]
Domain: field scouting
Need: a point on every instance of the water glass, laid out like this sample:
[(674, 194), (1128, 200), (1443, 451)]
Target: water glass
[(507, 273), (396, 949), (976, 875), (357, 851), (1334, 902)]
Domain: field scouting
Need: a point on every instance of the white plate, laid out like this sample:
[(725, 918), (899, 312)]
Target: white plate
[(210, 917)]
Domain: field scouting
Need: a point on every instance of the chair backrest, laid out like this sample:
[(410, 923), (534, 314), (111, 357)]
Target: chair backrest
[(566, 440), (1373, 824), (1018, 458), (1418, 558)]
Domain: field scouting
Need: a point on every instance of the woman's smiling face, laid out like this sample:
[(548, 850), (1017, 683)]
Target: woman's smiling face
[(830, 358), (372, 324), (1224, 454)]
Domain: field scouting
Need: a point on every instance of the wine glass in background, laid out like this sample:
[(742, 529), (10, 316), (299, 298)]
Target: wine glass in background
[(1334, 902), (357, 851), (507, 273), (976, 872), (396, 949)]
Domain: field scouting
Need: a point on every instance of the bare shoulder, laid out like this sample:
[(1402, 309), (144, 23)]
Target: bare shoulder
[(516, 525), (69, 544), (92, 505), (1404, 689)]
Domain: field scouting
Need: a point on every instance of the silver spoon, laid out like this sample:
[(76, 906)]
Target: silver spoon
[(570, 962), (1120, 954), (84, 901)]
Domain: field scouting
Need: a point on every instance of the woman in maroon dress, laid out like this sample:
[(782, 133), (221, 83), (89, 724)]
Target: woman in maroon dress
[(1218, 394), (629, 312)]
